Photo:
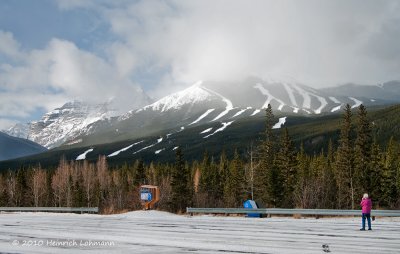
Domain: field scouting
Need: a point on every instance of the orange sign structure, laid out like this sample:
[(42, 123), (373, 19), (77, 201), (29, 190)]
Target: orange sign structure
[(149, 196)]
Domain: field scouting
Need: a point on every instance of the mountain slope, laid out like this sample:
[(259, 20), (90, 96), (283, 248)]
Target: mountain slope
[(64, 123), (313, 131), (80, 124), (12, 147), (389, 91), (224, 102)]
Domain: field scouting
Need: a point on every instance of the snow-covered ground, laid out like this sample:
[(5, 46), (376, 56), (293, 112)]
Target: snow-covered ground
[(160, 232)]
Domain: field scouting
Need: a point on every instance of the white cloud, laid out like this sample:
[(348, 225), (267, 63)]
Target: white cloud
[(317, 42), (59, 73), (9, 46)]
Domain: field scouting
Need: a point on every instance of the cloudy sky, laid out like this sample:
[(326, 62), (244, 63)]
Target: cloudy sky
[(52, 52)]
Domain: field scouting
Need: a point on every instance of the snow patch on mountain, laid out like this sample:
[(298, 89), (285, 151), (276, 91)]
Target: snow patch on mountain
[(290, 91), (73, 142), (240, 112), (124, 149), (159, 151), (334, 99), (229, 104), (193, 94), (206, 130), (279, 124), (357, 103), (306, 96), (149, 146), (202, 116), (255, 112), (180, 130), (270, 97), (224, 125), (83, 155), (336, 108), (323, 104)]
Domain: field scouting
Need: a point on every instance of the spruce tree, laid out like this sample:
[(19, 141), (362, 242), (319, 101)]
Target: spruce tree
[(180, 193), (234, 190), (266, 170), (21, 187), (286, 167), (214, 190), (205, 174), (303, 179), (389, 175), (140, 174), (376, 174), (344, 164), (223, 172), (362, 152)]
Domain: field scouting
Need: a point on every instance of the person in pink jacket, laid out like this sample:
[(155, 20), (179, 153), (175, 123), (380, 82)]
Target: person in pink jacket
[(366, 205)]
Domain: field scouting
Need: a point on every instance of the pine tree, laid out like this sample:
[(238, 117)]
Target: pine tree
[(362, 153), (234, 191), (344, 164), (21, 187), (375, 177), (266, 170), (140, 176), (389, 174), (180, 192), (214, 190), (205, 174), (301, 195), (275, 187), (3, 191), (223, 172), (286, 167), (324, 184)]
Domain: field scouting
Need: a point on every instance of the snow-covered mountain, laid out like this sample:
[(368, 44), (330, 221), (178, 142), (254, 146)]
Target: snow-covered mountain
[(227, 99), (388, 91), (65, 123), (19, 130), (200, 103), (224, 103)]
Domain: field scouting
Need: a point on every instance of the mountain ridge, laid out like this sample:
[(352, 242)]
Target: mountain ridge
[(204, 101)]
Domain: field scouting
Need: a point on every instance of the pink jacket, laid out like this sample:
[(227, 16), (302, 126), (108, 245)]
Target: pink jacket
[(366, 205)]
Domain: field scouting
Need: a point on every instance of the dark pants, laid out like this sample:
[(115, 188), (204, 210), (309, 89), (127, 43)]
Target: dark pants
[(368, 217)]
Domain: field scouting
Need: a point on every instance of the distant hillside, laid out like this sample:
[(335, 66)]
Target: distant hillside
[(12, 147), (313, 131), (82, 124)]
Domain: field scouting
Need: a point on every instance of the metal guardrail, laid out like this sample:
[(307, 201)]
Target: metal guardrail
[(51, 209), (281, 211)]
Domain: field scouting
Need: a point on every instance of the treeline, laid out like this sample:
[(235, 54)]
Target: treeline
[(274, 173)]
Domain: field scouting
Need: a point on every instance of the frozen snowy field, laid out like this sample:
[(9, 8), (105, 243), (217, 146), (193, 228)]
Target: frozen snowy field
[(159, 232)]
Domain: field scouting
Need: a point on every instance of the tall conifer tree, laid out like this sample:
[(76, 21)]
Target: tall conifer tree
[(286, 166), (262, 190), (180, 192), (362, 152), (344, 164)]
